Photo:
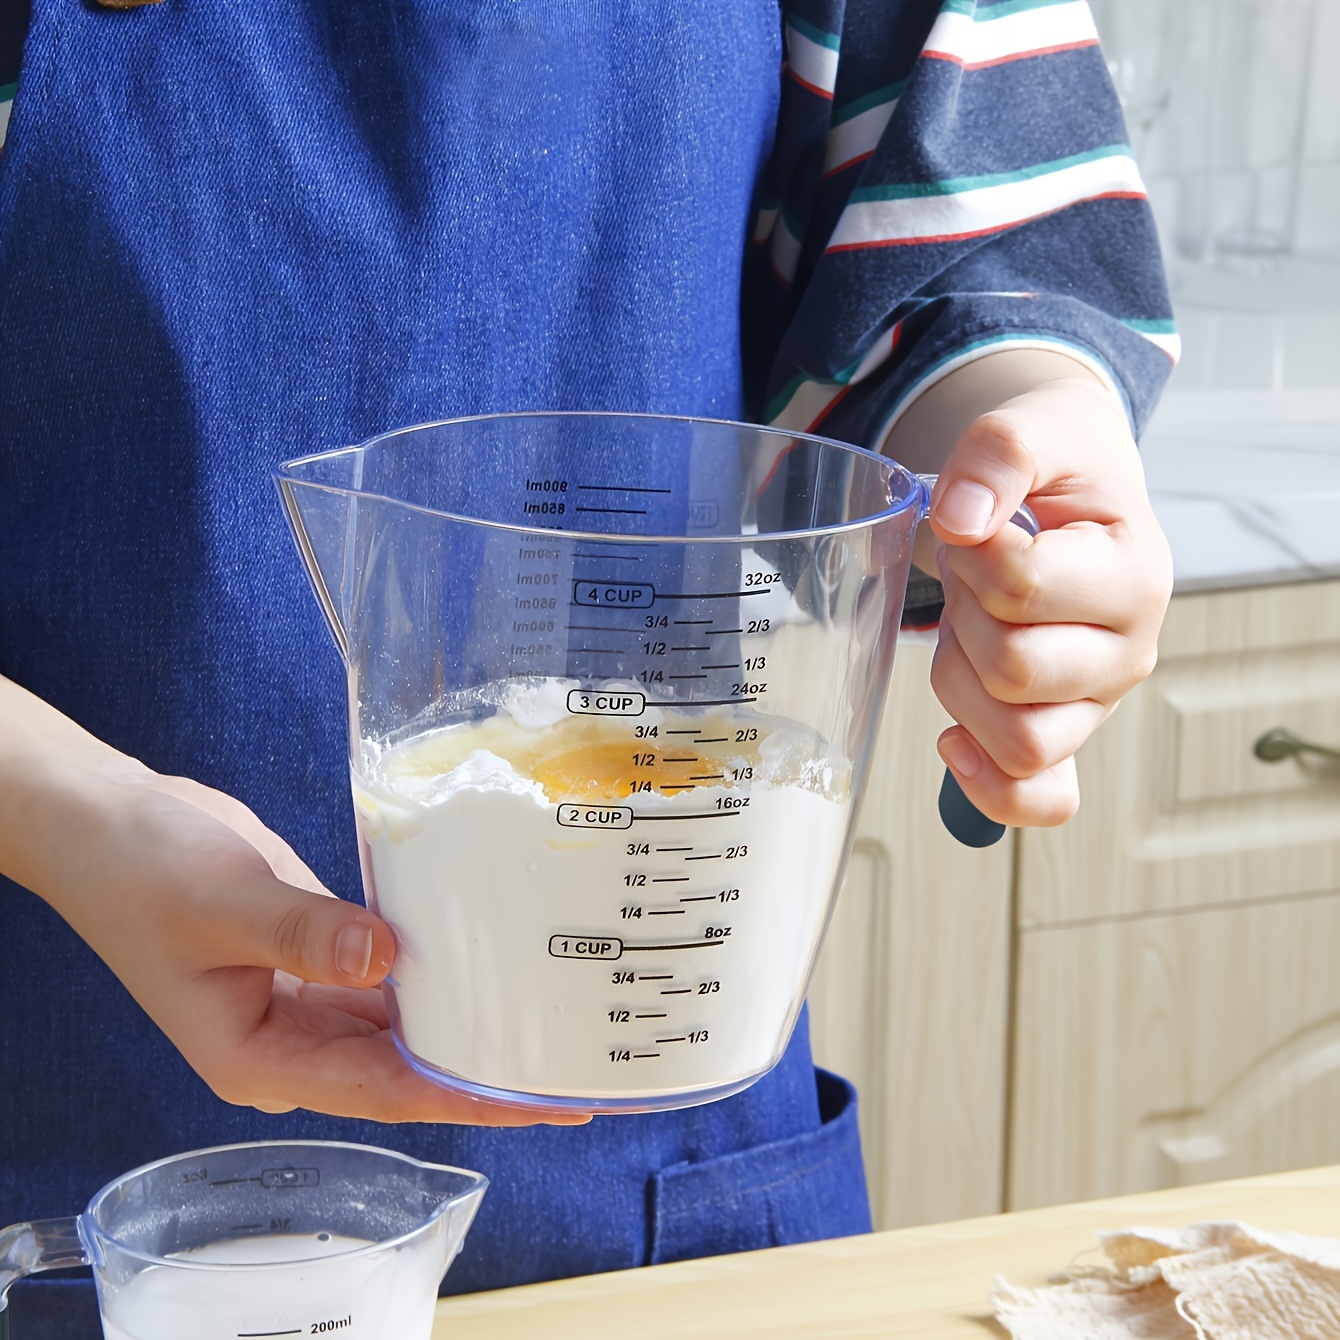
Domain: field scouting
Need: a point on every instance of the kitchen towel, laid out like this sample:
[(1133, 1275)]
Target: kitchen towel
[(1225, 1281)]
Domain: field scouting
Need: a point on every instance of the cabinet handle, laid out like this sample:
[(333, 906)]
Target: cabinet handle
[(1278, 744)]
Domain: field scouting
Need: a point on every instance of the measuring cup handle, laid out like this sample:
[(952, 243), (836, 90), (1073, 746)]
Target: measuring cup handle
[(958, 814), (27, 1249)]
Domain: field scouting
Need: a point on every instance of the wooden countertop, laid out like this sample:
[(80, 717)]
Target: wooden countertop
[(930, 1281)]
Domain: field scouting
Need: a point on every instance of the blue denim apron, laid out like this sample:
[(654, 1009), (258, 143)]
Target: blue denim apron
[(233, 232)]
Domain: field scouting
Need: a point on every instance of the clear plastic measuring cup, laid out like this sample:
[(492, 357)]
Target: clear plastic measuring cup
[(613, 687), (267, 1239)]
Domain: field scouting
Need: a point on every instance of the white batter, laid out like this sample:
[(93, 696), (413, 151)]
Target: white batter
[(603, 906), (325, 1292)]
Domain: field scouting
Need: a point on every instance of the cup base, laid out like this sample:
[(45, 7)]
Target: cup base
[(603, 1104)]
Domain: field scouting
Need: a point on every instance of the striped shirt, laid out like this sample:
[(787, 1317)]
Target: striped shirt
[(948, 178)]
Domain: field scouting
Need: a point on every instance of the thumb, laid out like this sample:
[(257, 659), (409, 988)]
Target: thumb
[(312, 936), (987, 476)]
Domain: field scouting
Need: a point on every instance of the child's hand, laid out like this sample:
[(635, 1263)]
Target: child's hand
[(263, 981), (1042, 636)]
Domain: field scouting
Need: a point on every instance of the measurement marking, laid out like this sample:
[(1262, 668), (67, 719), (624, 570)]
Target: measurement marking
[(692, 759), (686, 676), (656, 949), (678, 786), (245, 1228), (701, 702), (651, 1016), (596, 628), (702, 648), (699, 898), (622, 558), (645, 1056), (234, 1181), (658, 977), (707, 595), (679, 991), (671, 912), (242, 1335), (620, 488), (674, 848), (685, 623), (615, 511), (713, 739), (733, 665), (659, 1041), (721, 632), (709, 777), (597, 651), (692, 730), (671, 879), (715, 856), (677, 818)]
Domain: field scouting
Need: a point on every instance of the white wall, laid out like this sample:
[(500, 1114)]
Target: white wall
[(1319, 221), (1277, 326)]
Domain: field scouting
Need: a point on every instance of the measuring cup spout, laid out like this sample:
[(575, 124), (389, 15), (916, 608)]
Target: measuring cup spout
[(26, 1249), (320, 506), (453, 1195)]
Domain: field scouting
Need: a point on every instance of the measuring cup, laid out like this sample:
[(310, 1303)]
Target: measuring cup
[(613, 683), (269, 1239)]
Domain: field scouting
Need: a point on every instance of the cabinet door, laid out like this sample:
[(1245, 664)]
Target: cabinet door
[(1176, 810), (909, 999), (1177, 999), (1176, 1049)]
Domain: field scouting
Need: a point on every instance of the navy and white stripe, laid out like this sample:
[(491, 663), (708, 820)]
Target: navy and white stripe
[(962, 182)]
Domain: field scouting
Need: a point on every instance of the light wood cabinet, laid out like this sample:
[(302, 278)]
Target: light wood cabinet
[(1177, 987), (1166, 1050), (1177, 813), (1145, 997), (910, 999)]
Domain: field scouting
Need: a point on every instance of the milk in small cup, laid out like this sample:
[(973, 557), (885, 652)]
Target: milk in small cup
[(270, 1238), (313, 1284)]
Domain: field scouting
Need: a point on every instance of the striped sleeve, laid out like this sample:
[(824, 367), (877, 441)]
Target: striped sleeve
[(949, 177)]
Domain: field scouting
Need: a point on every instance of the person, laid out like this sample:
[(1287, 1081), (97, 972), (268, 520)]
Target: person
[(232, 233)]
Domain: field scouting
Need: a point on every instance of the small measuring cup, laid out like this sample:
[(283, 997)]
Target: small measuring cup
[(267, 1239), (613, 685)]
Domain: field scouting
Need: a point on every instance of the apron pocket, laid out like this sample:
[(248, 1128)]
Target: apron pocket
[(801, 1189)]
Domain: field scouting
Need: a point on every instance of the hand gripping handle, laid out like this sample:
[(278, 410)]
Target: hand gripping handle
[(958, 814)]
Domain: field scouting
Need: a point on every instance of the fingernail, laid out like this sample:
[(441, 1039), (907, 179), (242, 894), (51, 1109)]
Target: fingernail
[(353, 950), (961, 755), (966, 508)]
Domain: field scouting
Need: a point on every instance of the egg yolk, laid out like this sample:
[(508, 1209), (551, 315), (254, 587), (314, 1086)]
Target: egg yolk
[(604, 760), (607, 769)]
